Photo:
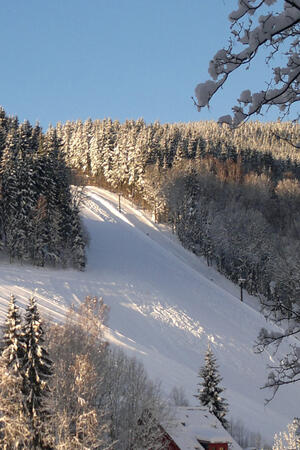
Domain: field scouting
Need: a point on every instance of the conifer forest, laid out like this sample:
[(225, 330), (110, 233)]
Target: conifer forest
[(231, 196), (39, 219)]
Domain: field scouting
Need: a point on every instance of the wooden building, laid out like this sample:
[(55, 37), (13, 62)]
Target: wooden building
[(195, 428)]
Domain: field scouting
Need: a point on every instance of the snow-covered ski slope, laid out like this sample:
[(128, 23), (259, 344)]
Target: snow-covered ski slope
[(166, 305)]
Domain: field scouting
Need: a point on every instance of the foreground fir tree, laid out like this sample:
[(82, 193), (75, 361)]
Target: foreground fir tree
[(13, 339), (209, 392), (13, 419), (36, 372)]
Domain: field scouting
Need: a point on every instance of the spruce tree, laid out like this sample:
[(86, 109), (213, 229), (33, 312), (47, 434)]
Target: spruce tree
[(9, 194), (78, 244), (209, 391), (36, 137), (27, 198), (25, 135), (36, 372), (13, 339), (15, 430)]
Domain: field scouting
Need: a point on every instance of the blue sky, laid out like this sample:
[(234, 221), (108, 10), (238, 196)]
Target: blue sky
[(124, 59)]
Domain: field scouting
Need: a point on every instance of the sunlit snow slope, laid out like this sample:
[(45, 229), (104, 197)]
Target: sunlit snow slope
[(165, 306)]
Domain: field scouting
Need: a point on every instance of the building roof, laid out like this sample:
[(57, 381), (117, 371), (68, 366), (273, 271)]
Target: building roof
[(193, 424)]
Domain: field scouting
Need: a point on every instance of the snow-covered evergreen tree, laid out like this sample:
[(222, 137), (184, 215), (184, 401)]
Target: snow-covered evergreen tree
[(12, 346), (36, 137), (210, 390), (36, 373), (13, 419), (27, 201), (2, 140), (78, 244), (96, 151), (41, 232), (109, 142), (9, 193), (25, 134)]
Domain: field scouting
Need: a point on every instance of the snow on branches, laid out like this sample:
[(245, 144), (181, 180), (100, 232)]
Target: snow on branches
[(288, 438), (279, 33)]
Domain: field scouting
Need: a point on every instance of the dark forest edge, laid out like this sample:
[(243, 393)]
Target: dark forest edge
[(39, 218)]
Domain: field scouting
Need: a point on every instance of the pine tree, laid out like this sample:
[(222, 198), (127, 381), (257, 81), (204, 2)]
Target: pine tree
[(209, 393), (36, 373)]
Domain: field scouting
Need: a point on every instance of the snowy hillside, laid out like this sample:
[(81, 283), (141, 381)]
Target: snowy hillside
[(165, 306)]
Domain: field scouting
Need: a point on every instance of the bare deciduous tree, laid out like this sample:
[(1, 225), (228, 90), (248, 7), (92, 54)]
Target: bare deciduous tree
[(287, 439)]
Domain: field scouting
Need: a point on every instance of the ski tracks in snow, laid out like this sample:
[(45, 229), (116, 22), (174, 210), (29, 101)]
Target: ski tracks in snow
[(50, 308), (173, 317)]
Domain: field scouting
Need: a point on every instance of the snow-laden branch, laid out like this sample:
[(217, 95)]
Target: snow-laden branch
[(277, 31)]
